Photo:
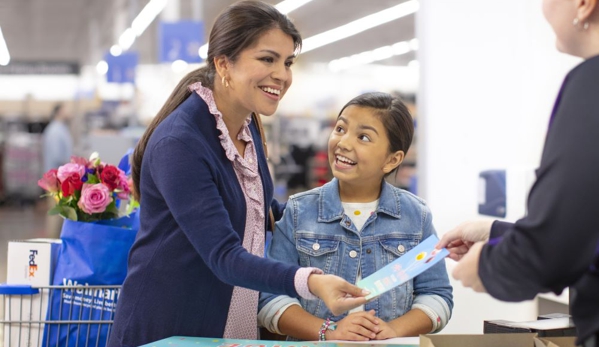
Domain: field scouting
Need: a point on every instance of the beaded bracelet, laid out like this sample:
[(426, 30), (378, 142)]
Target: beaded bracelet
[(323, 329)]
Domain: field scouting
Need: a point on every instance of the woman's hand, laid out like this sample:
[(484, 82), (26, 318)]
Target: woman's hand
[(459, 240), (357, 326), (466, 270), (339, 295), (385, 331)]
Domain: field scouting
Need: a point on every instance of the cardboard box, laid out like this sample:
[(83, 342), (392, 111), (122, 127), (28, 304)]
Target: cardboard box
[(495, 340), (546, 327), (30, 262)]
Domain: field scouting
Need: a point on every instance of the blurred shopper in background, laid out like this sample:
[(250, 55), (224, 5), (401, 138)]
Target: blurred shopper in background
[(57, 151), (201, 175), (556, 245), (322, 226)]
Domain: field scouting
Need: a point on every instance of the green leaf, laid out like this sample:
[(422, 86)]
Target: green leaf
[(69, 212), (55, 210), (133, 204)]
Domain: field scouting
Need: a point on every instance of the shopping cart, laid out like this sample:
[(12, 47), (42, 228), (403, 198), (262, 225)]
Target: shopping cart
[(27, 308)]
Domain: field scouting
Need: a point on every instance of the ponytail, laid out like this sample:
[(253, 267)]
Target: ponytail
[(205, 75)]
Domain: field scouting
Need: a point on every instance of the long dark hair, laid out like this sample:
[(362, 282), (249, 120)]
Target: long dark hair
[(394, 115), (238, 27)]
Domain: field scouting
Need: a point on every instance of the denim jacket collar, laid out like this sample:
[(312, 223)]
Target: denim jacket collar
[(330, 208)]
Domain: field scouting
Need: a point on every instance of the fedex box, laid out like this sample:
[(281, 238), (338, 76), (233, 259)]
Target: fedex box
[(30, 263)]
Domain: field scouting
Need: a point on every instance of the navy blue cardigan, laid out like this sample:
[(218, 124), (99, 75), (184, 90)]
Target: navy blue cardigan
[(188, 254)]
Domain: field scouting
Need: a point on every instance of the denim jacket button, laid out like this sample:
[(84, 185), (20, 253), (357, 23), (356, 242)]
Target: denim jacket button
[(368, 251), (401, 248), (353, 254), (347, 223), (316, 246)]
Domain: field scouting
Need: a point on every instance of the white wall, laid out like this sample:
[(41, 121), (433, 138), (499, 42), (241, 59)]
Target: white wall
[(489, 75)]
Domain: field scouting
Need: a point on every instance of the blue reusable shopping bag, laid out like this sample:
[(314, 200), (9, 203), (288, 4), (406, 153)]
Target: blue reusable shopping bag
[(92, 254)]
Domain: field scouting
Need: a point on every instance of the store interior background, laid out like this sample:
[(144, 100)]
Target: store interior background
[(481, 77)]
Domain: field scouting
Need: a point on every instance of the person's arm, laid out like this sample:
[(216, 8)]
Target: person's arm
[(555, 243), (413, 323), (186, 180), (357, 326)]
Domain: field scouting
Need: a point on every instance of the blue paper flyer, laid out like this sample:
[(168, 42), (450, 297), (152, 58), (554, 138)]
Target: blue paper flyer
[(413, 263)]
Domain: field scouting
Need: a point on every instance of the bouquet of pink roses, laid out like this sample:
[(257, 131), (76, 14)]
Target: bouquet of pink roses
[(88, 190)]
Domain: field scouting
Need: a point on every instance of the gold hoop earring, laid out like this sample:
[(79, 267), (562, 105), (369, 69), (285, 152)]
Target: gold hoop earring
[(225, 82)]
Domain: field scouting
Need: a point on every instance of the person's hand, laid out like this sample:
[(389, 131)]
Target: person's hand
[(466, 270), (459, 240), (385, 331), (339, 295), (357, 326)]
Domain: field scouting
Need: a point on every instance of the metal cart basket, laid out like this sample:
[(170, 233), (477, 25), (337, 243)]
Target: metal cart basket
[(27, 310)]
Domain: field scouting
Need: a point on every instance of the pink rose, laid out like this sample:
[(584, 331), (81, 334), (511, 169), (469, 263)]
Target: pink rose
[(49, 181), (94, 198), (67, 170), (79, 160), (123, 189)]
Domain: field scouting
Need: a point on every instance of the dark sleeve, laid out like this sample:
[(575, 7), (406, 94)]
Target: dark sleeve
[(185, 179), (499, 228), (277, 209), (554, 244)]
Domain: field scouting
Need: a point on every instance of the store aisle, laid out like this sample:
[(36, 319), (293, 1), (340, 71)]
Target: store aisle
[(19, 223)]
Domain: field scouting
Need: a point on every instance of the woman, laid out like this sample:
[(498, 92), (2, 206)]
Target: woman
[(203, 181), (557, 244)]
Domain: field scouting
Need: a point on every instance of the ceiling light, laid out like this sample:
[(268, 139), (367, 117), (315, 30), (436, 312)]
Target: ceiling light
[(179, 66), (102, 67), (414, 44), (116, 50), (289, 5), (360, 25), (4, 55), (147, 15), (126, 39), (414, 64), (368, 57), (284, 7)]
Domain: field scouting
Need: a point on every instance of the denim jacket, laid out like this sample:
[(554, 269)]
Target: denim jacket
[(314, 231)]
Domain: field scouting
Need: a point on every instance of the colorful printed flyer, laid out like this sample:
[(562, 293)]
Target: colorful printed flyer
[(413, 263)]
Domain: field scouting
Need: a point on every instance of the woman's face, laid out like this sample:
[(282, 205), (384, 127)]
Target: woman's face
[(261, 75), (560, 14)]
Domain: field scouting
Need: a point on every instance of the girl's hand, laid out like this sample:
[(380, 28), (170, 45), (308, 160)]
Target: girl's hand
[(338, 294), (385, 331), (357, 326)]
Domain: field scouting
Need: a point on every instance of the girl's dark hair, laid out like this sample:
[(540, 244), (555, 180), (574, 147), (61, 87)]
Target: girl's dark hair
[(238, 27), (393, 113)]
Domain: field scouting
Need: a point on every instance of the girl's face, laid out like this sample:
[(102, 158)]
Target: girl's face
[(560, 15), (261, 75), (359, 149)]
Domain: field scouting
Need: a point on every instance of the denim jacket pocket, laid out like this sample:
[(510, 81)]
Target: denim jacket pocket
[(399, 299), (317, 252)]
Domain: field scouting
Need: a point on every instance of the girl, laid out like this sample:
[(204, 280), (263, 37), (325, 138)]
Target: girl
[(355, 225)]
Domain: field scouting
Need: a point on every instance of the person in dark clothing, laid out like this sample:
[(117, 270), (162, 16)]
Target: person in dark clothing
[(201, 176), (556, 245)]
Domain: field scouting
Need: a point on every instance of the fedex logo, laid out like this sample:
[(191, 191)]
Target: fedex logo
[(32, 264)]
